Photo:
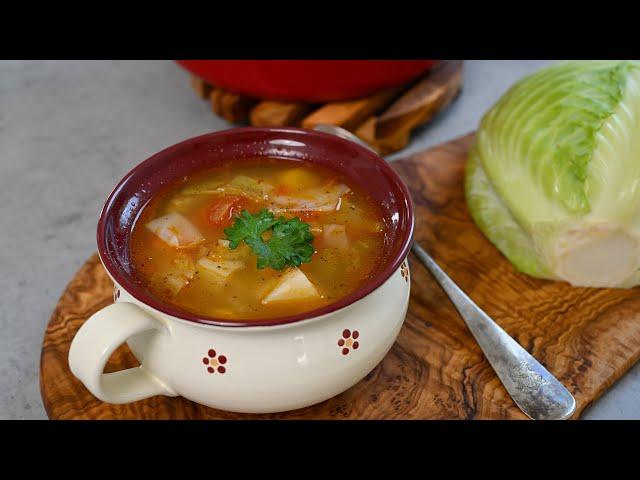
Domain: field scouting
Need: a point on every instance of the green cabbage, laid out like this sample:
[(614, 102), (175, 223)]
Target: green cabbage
[(553, 179)]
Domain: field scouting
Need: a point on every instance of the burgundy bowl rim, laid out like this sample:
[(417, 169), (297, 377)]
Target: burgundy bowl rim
[(136, 291)]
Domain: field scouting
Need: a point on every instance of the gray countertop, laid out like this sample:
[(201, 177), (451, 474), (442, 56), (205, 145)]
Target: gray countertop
[(69, 130)]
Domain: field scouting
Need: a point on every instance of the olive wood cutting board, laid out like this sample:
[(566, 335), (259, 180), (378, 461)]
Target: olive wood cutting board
[(587, 337)]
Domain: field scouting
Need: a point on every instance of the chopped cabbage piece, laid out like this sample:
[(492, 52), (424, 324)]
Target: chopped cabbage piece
[(175, 230), (323, 199), (247, 187), (335, 236)]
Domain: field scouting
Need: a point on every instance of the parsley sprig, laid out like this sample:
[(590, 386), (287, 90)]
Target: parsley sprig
[(288, 245)]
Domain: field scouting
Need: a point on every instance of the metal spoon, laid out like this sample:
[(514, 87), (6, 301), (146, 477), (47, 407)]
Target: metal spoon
[(536, 391)]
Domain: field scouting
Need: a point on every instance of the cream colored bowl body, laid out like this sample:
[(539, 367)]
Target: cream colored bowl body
[(240, 369)]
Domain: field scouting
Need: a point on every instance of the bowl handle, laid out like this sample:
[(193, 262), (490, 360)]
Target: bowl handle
[(96, 341)]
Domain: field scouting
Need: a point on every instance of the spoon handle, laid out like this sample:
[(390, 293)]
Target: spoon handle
[(536, 391)]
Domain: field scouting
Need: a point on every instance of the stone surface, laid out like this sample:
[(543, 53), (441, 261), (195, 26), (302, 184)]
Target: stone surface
[(69, 130)]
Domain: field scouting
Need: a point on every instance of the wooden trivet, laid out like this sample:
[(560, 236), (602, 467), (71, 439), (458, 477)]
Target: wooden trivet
[(384, 120)]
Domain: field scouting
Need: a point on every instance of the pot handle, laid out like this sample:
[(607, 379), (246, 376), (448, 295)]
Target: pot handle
[(96, 341)]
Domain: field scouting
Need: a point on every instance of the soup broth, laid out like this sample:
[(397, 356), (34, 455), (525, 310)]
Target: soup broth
[(183, 256)]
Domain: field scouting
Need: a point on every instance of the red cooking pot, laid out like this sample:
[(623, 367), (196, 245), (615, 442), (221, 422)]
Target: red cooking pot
[(307, 80)]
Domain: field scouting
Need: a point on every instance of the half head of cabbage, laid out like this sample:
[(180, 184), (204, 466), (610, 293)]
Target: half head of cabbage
[(553, 179)]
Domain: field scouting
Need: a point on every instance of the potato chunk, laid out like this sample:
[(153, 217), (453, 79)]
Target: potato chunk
[(293, 285), (299, 178)]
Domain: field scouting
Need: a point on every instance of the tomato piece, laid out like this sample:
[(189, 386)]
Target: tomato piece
[(221, 211)]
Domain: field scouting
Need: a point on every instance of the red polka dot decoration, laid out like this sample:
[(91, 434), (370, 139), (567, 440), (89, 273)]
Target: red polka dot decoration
[(214, 362), (404, 271), (349, 341)]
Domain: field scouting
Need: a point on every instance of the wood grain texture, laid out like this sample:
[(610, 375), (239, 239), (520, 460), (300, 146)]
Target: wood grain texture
[(422, 101), (350, 114), (391, 131), (587, 337), (270, 113), (396, 140), (367, 131), (231, 106)]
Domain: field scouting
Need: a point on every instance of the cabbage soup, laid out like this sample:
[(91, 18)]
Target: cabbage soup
[(258, 238)]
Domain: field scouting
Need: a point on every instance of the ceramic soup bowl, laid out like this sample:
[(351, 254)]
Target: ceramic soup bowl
[(256, 366)]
